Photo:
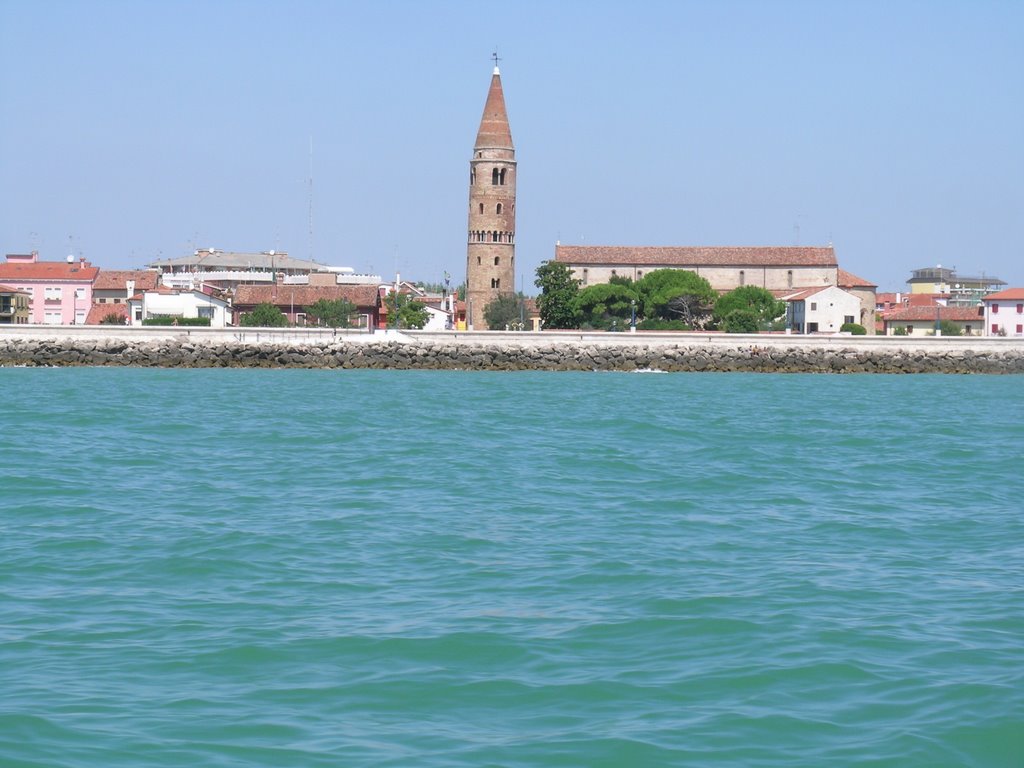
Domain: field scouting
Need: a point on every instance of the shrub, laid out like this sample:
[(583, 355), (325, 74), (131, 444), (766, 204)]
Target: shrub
[(855, 328), (741, 321), (264, 315), (112, 318)]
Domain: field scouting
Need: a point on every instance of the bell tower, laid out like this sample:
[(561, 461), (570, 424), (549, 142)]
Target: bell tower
[(491, 253)]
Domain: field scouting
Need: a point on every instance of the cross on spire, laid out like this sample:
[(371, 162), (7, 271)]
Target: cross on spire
[(496, 58)]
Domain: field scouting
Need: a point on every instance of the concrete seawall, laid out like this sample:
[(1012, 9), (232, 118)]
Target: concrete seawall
[(568, 351)]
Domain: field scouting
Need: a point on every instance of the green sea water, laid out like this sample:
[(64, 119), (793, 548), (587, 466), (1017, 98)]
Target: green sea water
[(385, 568)]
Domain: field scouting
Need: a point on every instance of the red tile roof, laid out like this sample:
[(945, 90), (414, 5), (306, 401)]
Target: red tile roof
[(117, 279), (695, 256), (1010, 294), (11, 289), (304, 295), (48, 270), (850, 280), (494, 130), (960, 314), (804, 293), (99, 311)]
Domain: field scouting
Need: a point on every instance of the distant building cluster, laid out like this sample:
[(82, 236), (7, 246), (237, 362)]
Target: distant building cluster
[(213, 285)]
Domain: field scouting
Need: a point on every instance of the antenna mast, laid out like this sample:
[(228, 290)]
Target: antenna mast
[(310, 198)]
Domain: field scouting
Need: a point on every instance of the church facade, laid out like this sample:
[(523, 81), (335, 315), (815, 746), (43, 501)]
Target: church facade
[(491, 248)]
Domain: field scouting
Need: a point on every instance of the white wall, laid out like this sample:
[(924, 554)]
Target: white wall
[(1006, 319)]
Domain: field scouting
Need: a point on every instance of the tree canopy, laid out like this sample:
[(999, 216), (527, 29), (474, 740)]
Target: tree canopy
[(749, 298), (265, 315), (605, 304), (558, 293), (406, 312), (334, 314), (507, 311), (676, 294)]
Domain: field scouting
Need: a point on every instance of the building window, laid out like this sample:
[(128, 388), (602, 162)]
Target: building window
[(967, 330), (743, 277), (1020, 329), (848, 319), (51, 294), (814, 306), (1020, 309), (495, 282), (995, 307), (494, 237), (208, 312), (789, 278), (494, 177), (300, 317), (639, 274), (995, 328), (79, 293), (481, 207), (472, 176), (910, 329), (497, 260), (497, 208), (501, 177), (584, 276), (478, 262)]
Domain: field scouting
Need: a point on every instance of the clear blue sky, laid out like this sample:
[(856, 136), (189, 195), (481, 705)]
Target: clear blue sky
[(146, 129)]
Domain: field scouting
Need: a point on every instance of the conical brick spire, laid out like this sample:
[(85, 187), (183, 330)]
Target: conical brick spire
[(494, 130)]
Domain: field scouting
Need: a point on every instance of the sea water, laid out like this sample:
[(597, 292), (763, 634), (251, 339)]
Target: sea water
[(383, 568)]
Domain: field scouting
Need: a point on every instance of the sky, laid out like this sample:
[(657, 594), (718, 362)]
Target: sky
[(134, 131)]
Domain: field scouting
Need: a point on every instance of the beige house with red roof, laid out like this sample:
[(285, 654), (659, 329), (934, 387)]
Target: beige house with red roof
[(116, 286), (60, 291), (923, 319), (292, 300), (1004, 313)]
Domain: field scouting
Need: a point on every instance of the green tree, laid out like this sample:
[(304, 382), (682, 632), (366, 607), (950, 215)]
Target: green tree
[(506, 312), (112, 318), (751, 298), (676, 294), (605, 304), (558, 292), (741, 321), (265, 315), (854, 328), (405, 312), (335, 313), (949, 328)]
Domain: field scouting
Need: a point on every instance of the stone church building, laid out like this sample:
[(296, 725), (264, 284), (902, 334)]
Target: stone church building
[(491, 251), (783, 270)]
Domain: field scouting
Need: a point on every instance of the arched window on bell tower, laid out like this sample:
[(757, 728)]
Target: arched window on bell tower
[(494, 177), (497, 209)]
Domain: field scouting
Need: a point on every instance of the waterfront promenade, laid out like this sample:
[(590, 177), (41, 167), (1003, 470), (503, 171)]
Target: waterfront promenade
[(483, 350)]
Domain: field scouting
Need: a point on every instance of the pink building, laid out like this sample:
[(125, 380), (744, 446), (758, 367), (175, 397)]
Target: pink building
[(61, 291)]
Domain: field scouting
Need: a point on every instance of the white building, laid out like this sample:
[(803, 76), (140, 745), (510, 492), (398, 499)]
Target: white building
[(821, 310), (174, 303), (1004, 313)]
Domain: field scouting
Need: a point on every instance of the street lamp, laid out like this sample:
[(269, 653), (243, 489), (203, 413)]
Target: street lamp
[(632, 319)]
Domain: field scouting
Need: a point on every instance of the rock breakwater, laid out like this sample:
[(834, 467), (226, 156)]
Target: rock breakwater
[(502, 355)]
